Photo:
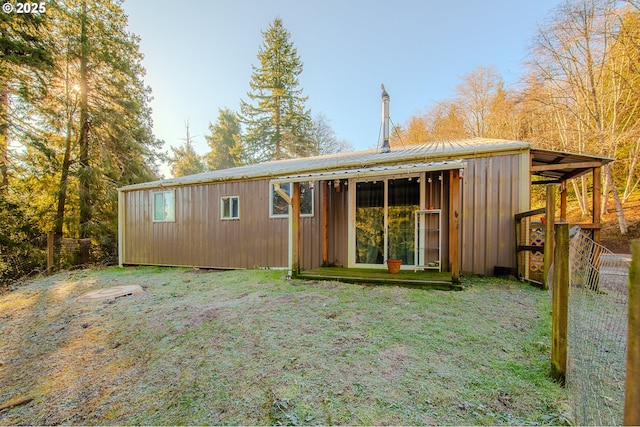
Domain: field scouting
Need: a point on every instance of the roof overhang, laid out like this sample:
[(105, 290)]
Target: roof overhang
[(558, 166), (371, 172)]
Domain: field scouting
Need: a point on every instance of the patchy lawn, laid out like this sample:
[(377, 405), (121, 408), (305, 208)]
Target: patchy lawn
[(250, 347)]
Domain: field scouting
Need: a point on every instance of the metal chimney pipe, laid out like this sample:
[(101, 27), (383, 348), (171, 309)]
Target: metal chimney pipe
[(385, 121)]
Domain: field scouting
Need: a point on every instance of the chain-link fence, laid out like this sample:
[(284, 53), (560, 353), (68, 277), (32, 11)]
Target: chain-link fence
[(597, 331)]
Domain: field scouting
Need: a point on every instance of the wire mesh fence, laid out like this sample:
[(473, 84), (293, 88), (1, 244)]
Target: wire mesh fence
[(597, 331)]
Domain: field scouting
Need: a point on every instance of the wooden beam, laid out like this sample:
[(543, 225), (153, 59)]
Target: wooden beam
[(534, 212), (281, 192), (454, 224), (295, 230), (529, 248), (576, 174), (549, 234), (325, 220), (588, 226), (563, 201), (545, 182), (565, 166), (597, 202)]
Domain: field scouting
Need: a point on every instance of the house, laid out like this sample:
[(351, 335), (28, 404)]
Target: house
[(448, 205)]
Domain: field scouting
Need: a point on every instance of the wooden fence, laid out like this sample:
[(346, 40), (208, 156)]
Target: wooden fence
[(71, 251)]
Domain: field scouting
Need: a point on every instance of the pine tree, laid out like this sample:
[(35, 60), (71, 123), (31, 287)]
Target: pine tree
[(277, 121), (24, 55), (225, 142), (115, 145), (185, 160), (90, 133)]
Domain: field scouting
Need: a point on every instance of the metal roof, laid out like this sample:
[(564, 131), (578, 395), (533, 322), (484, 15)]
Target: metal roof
[(376, 171), (418, 153)]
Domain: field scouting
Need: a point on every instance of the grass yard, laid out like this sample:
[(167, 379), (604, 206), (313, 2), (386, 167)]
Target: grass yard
[(250, 347)]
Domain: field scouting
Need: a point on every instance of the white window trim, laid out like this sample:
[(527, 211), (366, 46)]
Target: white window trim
[(230, 218), (286, 215), (153, 206)]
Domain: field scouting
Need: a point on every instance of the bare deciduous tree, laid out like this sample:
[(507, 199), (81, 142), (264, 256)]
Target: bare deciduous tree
[(575, 61)]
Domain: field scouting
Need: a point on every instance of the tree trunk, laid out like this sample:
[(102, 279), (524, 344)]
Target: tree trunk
[(622, 222), (83, 176), (633, 166), (579, 197), (4, 137), (605, 197), (62, 195)]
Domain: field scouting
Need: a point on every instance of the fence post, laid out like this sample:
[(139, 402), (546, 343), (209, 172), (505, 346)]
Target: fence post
[(632, 387), (560, 303), (50, 244)]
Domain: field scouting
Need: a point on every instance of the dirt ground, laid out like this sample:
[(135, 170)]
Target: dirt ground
[(610, 236)]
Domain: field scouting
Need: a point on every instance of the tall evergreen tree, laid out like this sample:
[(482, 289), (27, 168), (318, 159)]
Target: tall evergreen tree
[(225, 142), (24, 54), (277, 121), (113, 129), (91, 133)]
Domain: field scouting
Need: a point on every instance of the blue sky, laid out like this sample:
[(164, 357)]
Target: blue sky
[(199, 55)]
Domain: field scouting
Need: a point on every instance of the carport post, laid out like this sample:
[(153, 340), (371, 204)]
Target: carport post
[(295, 230), (549, 239), (632, 392), (560, 303)]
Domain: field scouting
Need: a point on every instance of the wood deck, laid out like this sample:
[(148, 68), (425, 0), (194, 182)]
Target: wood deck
[(370, 276)]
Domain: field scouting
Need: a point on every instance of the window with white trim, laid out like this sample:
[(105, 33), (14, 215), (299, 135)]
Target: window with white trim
[(279, 208), (230, 207), (164, 206)]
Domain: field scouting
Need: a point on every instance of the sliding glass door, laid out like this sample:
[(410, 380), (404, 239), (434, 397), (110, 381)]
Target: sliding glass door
[(385, 220), (370, 223)]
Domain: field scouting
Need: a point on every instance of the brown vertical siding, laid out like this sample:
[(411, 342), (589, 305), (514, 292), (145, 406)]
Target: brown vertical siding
[(490, 199), (310, 233), (198, 237), (338, 224)]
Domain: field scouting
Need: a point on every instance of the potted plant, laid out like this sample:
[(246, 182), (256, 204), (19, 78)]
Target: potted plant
[(394, 261), (393, 265)]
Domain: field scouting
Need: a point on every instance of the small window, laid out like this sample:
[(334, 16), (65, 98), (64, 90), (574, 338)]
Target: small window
[(164, 206), (230, 207), (278, 207)]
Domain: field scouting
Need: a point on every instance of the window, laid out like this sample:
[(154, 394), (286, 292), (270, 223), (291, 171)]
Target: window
[(278, 207), (230, 207), (164, 206)]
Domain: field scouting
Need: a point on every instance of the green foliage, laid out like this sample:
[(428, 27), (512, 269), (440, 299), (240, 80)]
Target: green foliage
[(277, 121), (22, 246), (185, 160), (22, 43), (225, 141), (89, 127)]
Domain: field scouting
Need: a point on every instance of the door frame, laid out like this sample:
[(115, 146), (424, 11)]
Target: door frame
[(351, 234)]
